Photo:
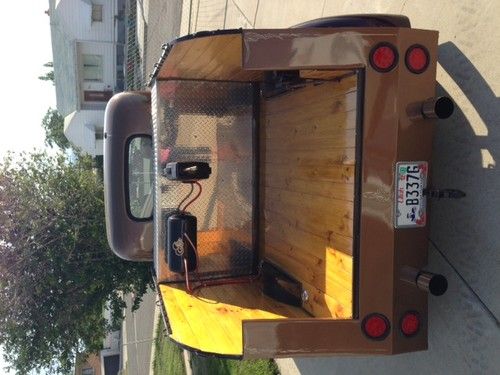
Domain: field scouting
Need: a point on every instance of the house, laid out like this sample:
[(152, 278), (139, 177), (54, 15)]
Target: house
[(88, 38), (107, 361), (90, 366)]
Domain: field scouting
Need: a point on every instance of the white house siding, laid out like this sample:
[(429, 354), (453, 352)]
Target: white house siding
[(76, 14), (72, 21), (80, 128), (107, 51)]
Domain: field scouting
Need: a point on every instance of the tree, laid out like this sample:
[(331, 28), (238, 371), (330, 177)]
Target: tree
[(53, 124), (49, 76), (56, 269)]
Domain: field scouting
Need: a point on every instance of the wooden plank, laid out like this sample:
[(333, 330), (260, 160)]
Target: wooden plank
[(307, 176), (311, 94), (340, 139), (324, 74), (248, 76), (321, 305), (228, 335), (222, 309), (215, 57), (310, 212), (333, 173), (196, 315), (333, 190), (323, 261), (313, 113), (310, 124), (320, 158), (282, 200), (181, 329), (305, 227), (222, 61), (313, 272), (182, 55)]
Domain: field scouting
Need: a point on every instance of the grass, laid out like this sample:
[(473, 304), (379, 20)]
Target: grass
[(168, 356), (215, 366), (169, 360)]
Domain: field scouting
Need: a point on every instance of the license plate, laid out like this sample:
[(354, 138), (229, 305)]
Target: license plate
[(410, 205)]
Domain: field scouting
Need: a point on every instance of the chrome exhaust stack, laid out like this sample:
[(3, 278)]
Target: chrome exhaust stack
[(432, 283), (441, 107)]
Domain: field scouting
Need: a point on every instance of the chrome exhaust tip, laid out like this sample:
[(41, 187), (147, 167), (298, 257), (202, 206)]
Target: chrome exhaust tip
[(441, 107)]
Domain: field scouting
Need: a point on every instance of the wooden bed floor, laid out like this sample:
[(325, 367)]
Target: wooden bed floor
[(211, 320), (308, 140)]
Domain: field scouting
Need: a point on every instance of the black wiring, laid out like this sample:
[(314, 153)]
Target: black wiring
[(195, 198), (186, 197)]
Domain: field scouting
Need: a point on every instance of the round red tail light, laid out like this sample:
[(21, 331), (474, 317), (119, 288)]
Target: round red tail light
[(376, 326), (410, 323), (417, 59), (383, 57)]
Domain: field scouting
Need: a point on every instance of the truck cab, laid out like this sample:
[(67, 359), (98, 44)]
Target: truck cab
[(278, 181)]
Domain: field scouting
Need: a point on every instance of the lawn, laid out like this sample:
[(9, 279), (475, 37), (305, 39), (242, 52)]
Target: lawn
[(169, 360), (215, 366), (168, 356)]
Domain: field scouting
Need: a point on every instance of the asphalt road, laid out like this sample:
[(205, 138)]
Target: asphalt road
[(137, 336)]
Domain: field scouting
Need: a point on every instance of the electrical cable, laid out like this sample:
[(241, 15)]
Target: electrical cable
[(195, 198), (226, 281), (186, 197), (204, 284), (186, 270), (188, 286), (195, 250), (219, 282)]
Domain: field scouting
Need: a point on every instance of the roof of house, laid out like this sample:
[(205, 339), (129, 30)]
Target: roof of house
[(64, 59)]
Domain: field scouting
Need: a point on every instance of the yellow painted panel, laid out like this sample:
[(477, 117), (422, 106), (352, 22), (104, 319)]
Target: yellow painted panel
[(211, 319)]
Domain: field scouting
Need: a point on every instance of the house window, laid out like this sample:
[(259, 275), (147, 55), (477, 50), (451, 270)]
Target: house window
[(92, 68), (99, 134), (96, 12), (88, 371)]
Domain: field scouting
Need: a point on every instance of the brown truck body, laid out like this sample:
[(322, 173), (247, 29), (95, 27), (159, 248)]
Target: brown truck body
[(310, 132)]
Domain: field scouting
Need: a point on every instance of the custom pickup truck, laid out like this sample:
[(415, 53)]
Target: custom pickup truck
[(278, 180)]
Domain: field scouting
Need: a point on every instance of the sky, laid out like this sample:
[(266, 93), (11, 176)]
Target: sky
[(26, 46)]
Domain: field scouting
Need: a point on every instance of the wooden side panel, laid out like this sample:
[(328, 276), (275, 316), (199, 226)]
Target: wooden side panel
[(216, 57), (211, 319), (308, 140)]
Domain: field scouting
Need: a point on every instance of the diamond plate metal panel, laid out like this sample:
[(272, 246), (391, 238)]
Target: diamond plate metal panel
[(211, 122)]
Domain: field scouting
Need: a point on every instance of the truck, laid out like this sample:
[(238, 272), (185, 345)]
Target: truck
[(278, 180)]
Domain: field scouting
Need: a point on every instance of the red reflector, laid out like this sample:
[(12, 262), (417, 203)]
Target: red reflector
[(417, 59), (410, 324), (376, 326), (383, 57)]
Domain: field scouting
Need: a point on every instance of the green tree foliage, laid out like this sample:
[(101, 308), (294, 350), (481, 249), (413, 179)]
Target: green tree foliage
[(56, 269), (49, 76), (53, 124)]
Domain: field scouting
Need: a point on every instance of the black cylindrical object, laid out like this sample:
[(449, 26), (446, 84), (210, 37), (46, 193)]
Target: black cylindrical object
[(433, 283), (180, 227), (430, 282), (441, 107)]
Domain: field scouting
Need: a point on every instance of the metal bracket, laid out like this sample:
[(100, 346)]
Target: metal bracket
[(444, 193)]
